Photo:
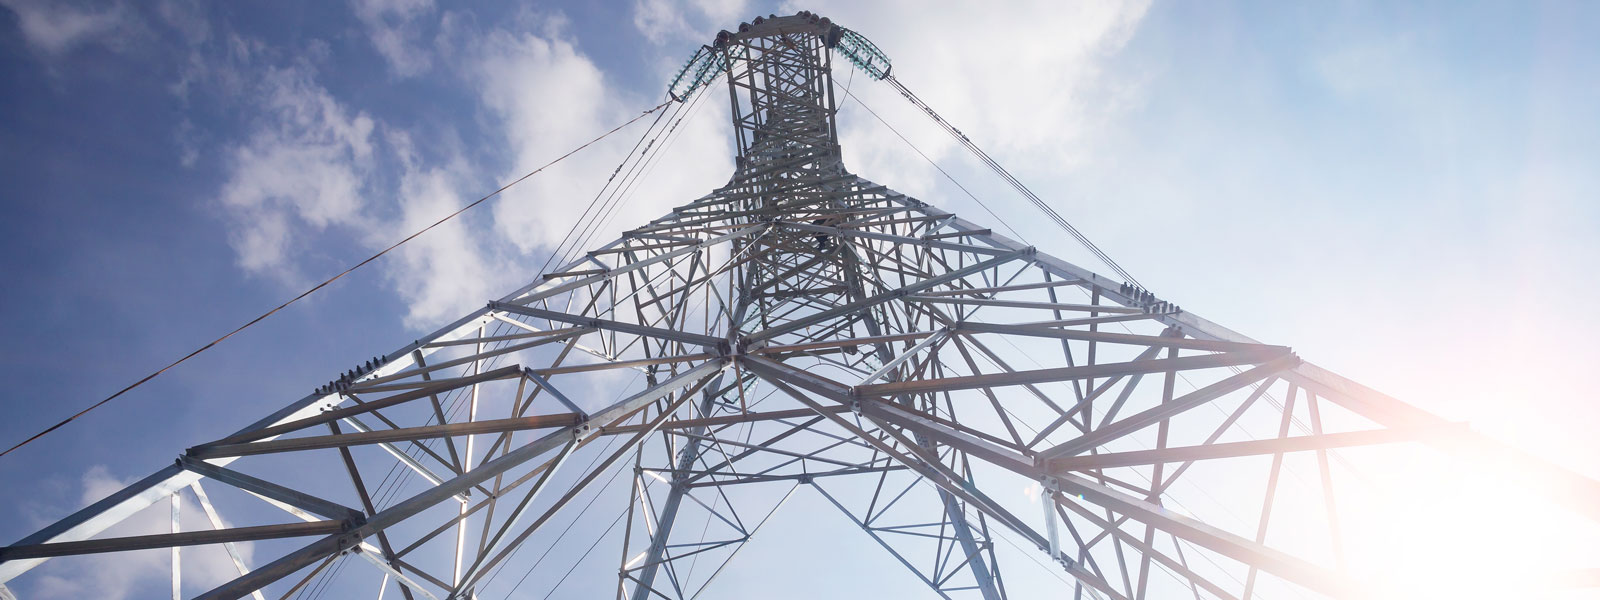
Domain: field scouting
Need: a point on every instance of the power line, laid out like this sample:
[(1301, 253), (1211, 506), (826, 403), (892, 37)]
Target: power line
[(650, 151), (941, 170), (330, 280), (1049, 212), (457, 396), (557, 251), (673, 134)]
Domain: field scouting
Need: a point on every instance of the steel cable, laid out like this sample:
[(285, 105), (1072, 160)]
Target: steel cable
[(1055, 217), (330, 280)]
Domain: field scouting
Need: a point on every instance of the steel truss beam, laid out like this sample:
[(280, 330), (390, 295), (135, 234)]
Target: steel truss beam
[(805, 326), (169, 540)]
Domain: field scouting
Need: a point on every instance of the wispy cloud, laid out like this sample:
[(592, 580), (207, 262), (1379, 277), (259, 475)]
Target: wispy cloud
[(304, 167), (693, 21), (659, 20), (314, 169), (549, 98), (1031, 89), (394, 27), (452, 267), (55, 28), (721, 11)]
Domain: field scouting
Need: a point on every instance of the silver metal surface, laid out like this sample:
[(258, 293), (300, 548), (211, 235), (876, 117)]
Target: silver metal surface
[(804, 327)]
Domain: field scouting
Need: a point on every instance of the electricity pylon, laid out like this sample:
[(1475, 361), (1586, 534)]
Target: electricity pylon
[(803, 326)]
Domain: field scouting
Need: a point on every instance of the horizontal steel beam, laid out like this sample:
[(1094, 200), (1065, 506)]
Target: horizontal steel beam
[(500, 338), (378, 384), (97, 517), (170, 540), (380, 436), (780, 376), (725, 420), (329, 416), (433, 496), (610, 325), (1111, 431), (741, 478), (1574, 490), (1099, 308), (895, 239), (949, 436), (904, 356), (1156, 365), (1250, 448), (622, 364), (1217, 540), (1164, 341), (940, 236), (1004, 288), (901, 292), (861, 341), (805, 380), (796, 293), (529, 295)]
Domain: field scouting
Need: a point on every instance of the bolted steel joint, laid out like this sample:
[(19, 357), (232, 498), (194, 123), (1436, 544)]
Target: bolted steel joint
[(584, 431)]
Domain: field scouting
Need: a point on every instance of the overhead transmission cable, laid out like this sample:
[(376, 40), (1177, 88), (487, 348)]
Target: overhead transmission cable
[(642, 166), (385, 490), (936, 165), (557, 251), (405, 475), (1055, 217), (650, 153), (672, 135), (330, 280)]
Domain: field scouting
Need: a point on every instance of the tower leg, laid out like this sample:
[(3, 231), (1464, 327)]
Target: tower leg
[(669, 509), (957, 517)]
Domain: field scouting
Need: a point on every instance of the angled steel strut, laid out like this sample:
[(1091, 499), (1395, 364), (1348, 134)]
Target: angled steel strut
[(943, 387)]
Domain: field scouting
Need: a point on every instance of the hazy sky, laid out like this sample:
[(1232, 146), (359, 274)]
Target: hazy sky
[(1405, 193)]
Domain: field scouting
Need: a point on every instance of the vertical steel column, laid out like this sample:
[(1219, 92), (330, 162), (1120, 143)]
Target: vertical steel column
[(177, 559), (466, 465), (669, 509)]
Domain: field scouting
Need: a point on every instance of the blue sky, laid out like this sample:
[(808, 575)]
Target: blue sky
[(1403, 192)]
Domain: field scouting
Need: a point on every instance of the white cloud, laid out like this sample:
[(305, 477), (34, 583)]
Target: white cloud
[(517, 73), (58, 27), (663, 21), (187, 17), (722, 11), (1029, 90), (450, 268), (314, 167), (305, 165), (550, 99), (394, 28), (659, 20)]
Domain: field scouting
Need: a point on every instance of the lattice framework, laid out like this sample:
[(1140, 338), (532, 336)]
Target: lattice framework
[(804, 326)]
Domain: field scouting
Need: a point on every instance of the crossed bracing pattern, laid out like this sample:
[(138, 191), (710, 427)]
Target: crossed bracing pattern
[(879, 348), (964, 400)]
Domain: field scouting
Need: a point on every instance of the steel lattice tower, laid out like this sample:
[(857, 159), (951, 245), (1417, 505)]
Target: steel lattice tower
[(803, 326)]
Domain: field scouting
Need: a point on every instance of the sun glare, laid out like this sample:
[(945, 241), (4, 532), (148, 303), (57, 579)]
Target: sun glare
[(1459, 531)]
